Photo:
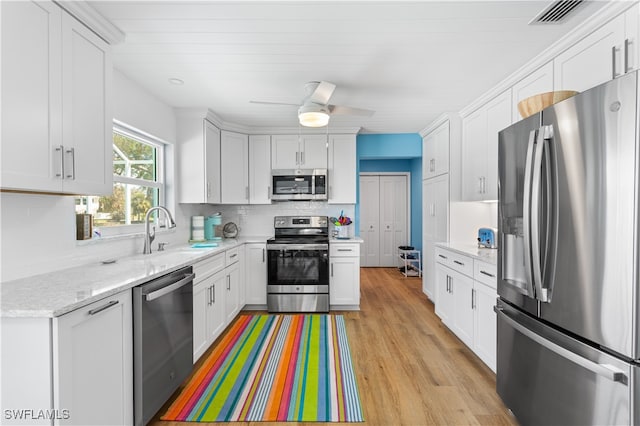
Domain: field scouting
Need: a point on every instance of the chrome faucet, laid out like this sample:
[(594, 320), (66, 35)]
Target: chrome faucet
[(150, 235)]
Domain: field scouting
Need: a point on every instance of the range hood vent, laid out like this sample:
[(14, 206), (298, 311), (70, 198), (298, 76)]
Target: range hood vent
[(556, 12)]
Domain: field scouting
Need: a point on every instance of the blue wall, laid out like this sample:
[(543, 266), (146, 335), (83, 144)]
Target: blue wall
[(394, 153)]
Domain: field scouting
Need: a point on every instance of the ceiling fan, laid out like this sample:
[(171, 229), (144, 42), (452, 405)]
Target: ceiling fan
[(315, 108)]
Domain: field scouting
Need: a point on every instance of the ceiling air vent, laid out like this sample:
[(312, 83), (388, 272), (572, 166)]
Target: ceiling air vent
[(556, 12)]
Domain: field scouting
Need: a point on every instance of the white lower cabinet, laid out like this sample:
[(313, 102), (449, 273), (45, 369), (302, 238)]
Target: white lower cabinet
[(208, 312), (93, 362), (76, 369), (465, 297), (344, 275), (208, 302), (256, 274), (232, 284)]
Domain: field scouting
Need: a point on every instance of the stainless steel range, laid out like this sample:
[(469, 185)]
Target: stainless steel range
[(298, 267)]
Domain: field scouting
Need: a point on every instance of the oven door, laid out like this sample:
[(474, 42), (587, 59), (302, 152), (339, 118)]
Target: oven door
[(298, 278), (302, 266)]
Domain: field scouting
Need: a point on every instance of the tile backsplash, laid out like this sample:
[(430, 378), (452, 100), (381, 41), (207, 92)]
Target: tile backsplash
[(257, 220)]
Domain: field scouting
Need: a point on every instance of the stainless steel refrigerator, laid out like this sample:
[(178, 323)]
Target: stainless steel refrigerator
[(568, 340)]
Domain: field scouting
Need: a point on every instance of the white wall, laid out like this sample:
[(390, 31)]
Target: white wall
[(37, 232), (466, 217)]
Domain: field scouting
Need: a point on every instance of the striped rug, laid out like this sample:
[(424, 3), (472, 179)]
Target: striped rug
[(274, 368)]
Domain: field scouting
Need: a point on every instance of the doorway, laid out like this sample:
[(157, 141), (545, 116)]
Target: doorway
[(384, 217)]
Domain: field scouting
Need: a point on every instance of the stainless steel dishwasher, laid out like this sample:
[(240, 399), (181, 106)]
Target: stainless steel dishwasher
[(162, 340)]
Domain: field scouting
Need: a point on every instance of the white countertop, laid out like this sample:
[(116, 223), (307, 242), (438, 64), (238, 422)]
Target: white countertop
[(469, 249), (56, 293), (334, 240)]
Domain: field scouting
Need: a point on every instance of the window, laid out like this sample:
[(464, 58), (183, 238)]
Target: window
[(138, 183)]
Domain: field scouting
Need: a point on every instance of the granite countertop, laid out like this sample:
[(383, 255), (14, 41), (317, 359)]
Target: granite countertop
[(56, 293), (470, 249)]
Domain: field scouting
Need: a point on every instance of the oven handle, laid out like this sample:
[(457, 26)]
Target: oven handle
[(303, 247), (170, 288)]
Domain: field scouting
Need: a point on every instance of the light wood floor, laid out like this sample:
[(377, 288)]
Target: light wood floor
[(411, 370)]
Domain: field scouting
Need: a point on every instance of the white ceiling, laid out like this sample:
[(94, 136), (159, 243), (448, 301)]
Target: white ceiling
[(408, 61)]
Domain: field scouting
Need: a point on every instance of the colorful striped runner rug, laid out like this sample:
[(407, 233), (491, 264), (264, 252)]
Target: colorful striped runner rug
[(274, 368)]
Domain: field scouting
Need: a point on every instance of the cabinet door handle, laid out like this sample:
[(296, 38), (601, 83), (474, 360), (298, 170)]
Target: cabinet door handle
[(627, 42), (444, 257), (263, 255), (103, 307), (473, 298), (71, 174), (58, 152), (613, 62), (302, 157), (332, 269), (233, 255), (228, 282), (213, 294), (487, 274), (457, 262), (345, 250)]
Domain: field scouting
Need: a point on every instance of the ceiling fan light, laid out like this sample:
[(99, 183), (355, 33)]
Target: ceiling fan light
[(314, 119), (313, 116)]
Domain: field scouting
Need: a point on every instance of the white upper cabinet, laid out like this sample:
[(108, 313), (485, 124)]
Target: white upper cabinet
[(632, 38), (313, 152), (198, 159), (299, 152), (56, 102), (285, 152), (87, 125), (539, 81), (480, 148), (595, 59), (435, 152), (259, 169), (342, 169), (234, 168)]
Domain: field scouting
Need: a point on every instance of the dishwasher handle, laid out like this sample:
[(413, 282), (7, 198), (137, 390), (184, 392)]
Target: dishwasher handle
[(188, 278)]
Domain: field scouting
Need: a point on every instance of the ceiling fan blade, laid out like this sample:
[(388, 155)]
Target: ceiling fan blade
[(273, 103), (345, 110), (322, 93)]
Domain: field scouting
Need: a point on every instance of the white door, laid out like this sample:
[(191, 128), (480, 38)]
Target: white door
[(369, 220), (87, 126), (93, 362), (212, 163), (313, 152), (259, 169), (591, 61), (31, 88), (234, 169), (256, 274), (383, 218)]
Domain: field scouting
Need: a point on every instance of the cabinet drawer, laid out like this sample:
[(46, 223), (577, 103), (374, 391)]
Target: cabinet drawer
[(485, 272), (232, 256), (208, 266), (344, 250), (455, 261)]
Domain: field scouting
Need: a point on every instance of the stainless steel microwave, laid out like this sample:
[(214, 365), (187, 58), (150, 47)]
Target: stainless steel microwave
[(299, 184)]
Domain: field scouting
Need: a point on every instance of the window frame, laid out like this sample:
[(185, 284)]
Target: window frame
[(159, 183)]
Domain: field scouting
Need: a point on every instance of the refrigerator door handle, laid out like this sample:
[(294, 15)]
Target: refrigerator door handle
[(534, 215), (605, 370), (526, 213)]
